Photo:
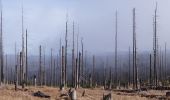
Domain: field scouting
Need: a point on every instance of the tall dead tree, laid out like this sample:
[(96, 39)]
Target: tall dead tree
[(82, 60), (79, 69), (63, 68), (26, 61), (1, 48), (16, 68), (54, 72), (160, 65), (6, 71), (44, 70), (129, 68), (16, 71), (73, 61), (51, 67), (155, 46), (93, 73), (23, 51), (116, 52), (165, 69), (66, 40), (85, 67), (104, 75), (135, 69), (76, 74), (150, 71), (40, 66), (20, 69), (60, 62)]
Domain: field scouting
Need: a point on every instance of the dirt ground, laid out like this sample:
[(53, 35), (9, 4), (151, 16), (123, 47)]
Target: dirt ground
[(8, 93)]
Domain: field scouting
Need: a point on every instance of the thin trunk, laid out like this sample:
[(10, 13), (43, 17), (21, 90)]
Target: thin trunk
[(116, 52), (51, 81), (135, 69), (73, 61), (23, 51), (40, 66), (165, 70), (26, 61), (60, 62), (129, 68), (150, 79), (82, 61), (1, 50), (6, 72), (66, 39), (155, 47), (79, 69), (63, 68), (93, 74), (44, 70)]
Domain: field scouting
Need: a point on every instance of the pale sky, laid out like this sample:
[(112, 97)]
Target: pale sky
[(45, 21)]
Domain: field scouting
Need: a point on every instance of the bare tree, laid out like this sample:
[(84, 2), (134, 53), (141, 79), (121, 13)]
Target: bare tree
[(93, 73), (73, 61), (63, 67), (165, 69), (155, 46), (26, 60), (129, 67), (116, 52), (79, 69), (40, 66), (150, 79), (6, 72), (66, 40), (51, 67), (82, 62), (1, 48), (135, 69)]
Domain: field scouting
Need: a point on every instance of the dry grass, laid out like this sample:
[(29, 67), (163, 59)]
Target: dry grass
[(8, 93)]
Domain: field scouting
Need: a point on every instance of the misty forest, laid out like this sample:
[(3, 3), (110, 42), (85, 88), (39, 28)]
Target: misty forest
[(66, 69)]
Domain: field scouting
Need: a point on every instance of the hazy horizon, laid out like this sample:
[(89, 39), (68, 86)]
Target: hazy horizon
[(45, 21)]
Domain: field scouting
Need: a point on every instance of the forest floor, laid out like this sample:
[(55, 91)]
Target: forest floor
[(9, 93)]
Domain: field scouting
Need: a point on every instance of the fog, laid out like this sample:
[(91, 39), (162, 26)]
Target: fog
[(45, 21)]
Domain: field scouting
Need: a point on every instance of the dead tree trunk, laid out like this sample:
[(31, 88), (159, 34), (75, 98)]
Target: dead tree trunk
[(1, 51), (116, 52), (40, 66), (150, 79), (51, 81), (155, 47), (135, 69), (73, 61), (104, 75), (16, 69), (165, 69), (93, 74), (23, 52), (44, 70), (63, 68), (129, 68), (79, 70), (20, 74), (54, 73), (26, 61), (6, 71), (82, 62), (61, 63), (85, 67), (76, 74), (66, 37)]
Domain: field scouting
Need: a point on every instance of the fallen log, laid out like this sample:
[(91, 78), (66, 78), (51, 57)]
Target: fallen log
[(41, 94)]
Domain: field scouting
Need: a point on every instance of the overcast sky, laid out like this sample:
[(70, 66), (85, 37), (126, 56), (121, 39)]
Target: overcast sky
[(45, 21)]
